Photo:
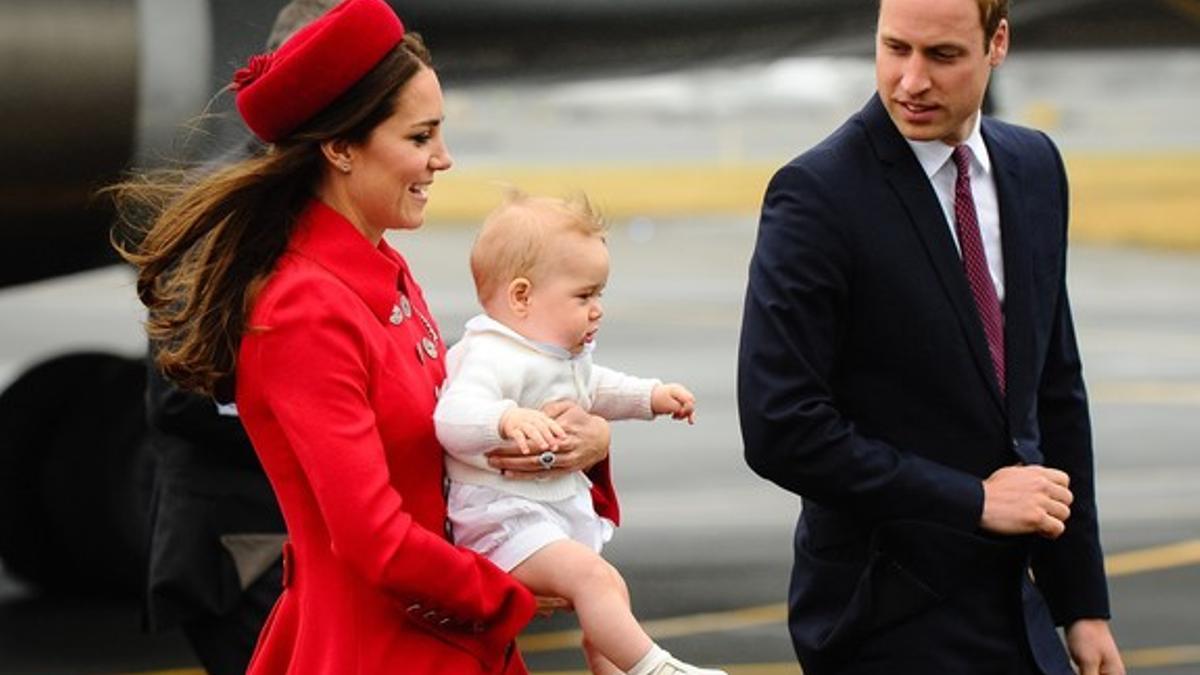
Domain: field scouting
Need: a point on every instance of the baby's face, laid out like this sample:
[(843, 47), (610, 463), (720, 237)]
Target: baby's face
[(564, 306)]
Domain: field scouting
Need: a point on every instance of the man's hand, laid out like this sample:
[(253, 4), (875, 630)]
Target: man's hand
[(1026, 500), (585, 444), (530, 428), (674, 400), (1093, 648), (548, 605)]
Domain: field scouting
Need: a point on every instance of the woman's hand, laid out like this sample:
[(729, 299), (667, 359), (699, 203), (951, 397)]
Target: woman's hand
[(586, 443)]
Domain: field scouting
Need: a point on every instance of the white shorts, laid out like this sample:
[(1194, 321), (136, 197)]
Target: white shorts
[(507, 529)]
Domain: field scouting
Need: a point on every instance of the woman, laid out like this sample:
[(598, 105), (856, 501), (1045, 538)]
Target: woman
[(270, 280)]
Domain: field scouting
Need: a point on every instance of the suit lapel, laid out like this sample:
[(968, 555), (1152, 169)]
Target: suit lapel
[(1018, 272), (908, 180)]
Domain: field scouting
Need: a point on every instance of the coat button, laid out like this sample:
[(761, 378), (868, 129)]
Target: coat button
[(289, 564), (405, 306)]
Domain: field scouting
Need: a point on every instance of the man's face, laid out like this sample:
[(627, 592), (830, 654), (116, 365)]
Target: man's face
[(931, 67)]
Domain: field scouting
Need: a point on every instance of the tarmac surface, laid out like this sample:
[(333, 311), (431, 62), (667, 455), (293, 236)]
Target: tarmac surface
[(705, 544)]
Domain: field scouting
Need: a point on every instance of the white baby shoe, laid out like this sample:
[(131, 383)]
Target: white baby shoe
[(659, 661)]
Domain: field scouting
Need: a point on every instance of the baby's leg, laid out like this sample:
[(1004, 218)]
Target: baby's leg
[(571, 570), (596, 663)]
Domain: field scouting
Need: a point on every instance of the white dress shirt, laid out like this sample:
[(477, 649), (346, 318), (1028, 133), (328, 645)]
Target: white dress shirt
[(934, 157)]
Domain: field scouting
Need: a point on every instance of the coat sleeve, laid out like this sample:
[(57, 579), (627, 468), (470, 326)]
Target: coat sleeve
[(313, 368), (1069, 570), (795, 316)]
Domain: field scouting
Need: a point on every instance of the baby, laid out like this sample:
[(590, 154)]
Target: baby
[(540, 266)]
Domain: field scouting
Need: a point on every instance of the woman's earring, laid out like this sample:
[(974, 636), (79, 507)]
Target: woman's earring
[(345, 167)]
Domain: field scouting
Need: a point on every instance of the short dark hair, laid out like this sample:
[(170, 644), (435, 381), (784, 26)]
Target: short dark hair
[(990, 14)]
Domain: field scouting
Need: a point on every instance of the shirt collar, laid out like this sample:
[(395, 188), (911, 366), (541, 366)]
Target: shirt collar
[(482, 323), (933, 155), (374, 273)]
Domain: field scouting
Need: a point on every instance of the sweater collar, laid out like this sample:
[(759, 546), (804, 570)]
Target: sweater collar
[(374, 273), (482, 323)]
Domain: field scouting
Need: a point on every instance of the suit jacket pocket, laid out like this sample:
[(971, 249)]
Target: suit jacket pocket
[(913, 566), (886, 594)]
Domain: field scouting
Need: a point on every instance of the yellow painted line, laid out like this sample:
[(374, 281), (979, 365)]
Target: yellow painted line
[(1135, 199), (1117, 198), (710, 622), (1147, 393), (1180, 554), (1159, 657), (1151, 657), (178, 671), (783, 668)]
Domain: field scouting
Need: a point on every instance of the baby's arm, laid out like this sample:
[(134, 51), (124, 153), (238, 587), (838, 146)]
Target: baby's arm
[(674, 400), (616, 395), (474, 415), (470, 408)]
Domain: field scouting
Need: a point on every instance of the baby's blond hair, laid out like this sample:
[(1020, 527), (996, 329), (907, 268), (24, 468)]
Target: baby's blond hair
[(513, 241)]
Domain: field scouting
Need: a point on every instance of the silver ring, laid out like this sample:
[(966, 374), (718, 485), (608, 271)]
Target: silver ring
[(547, 459)]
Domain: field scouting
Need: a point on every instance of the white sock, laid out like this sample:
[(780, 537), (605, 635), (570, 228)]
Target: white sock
[(650, 661)]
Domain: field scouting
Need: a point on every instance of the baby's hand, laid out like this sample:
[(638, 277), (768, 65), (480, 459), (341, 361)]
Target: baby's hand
[(531, 427), (675, 400)]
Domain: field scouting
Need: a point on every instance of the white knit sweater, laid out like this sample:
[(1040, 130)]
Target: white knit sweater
[(492, 369)]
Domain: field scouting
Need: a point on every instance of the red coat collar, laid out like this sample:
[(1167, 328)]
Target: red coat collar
[(374, 273)]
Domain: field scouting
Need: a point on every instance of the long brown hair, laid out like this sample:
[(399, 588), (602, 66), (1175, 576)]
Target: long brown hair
[(214, 236)]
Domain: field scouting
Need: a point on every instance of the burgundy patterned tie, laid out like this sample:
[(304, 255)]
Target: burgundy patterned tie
[(975, 262)]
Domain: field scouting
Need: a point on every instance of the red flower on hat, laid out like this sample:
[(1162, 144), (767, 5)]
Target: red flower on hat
[(255, 68)]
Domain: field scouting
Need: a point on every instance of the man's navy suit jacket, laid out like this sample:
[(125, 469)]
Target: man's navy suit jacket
[(865, 386)]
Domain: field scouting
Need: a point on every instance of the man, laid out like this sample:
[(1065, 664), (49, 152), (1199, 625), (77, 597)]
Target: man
[(908, 366)]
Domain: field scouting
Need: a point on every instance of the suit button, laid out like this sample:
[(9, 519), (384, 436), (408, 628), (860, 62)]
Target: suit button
[(414, 608)]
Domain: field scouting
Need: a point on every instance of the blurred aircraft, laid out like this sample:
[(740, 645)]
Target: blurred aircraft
[(92, 87)]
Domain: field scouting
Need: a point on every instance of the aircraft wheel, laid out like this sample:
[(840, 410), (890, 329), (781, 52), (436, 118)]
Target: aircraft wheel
[(75, 475)]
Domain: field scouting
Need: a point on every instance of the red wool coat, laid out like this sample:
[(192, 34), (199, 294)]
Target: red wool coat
[(337, 392)]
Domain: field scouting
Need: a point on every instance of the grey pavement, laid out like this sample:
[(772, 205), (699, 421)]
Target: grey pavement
[(702, 533)]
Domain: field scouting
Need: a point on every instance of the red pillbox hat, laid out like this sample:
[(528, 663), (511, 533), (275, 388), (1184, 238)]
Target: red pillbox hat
[(278, 92)]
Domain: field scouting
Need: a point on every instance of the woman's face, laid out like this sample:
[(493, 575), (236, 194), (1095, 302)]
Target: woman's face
[(390, 173)]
